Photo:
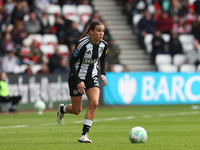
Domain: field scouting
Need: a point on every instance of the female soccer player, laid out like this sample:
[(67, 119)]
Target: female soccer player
[(84, 76)]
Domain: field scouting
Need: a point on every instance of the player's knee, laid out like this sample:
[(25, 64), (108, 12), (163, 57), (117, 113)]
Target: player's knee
[(94, 105), (77, 112)]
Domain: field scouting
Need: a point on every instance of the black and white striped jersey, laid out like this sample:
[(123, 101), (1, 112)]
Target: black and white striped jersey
[(85, 58)]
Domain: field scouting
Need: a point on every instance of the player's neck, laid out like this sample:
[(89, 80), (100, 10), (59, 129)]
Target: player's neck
[(94, 41)]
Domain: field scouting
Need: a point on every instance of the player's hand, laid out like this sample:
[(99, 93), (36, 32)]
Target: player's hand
[(81, 87), (103, 77)]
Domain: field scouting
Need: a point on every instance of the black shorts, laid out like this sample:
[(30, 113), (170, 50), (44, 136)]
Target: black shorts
[(89, 83)]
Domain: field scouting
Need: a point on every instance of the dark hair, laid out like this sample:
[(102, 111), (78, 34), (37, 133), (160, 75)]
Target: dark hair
[(91, 26)]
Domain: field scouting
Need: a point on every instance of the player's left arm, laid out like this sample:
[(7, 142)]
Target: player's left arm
[(103, 63)]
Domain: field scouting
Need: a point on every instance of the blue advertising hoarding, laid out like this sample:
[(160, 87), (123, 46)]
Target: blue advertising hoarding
[(151, 88)]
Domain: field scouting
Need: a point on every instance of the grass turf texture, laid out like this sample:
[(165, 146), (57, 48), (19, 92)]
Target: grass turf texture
[(168, 127)]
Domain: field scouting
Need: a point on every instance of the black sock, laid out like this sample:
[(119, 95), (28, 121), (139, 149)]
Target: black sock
[(61, 109), (86, 129)]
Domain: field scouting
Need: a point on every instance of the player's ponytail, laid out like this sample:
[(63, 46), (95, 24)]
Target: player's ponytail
[(91, 26)]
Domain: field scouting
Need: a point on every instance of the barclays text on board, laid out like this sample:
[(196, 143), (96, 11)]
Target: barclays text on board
[(152, 88)]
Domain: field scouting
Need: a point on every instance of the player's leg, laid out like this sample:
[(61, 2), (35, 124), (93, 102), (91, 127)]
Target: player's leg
[(93, 98), (74, 108)]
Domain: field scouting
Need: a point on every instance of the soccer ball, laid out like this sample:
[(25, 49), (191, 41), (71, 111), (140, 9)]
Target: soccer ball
[(138, 135), (40, 106)]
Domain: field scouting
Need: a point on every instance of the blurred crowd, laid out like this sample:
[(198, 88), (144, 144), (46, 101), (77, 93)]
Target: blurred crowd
[(172, 17), (21, 18)]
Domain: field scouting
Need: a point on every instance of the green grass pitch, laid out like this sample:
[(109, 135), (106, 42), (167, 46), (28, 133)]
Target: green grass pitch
[(169, 128)]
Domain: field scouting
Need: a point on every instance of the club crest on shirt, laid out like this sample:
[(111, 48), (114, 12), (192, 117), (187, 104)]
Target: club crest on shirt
[(100, 50), (75, 92)]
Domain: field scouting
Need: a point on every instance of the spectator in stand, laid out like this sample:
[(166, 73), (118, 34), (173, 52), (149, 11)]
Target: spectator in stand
[(46, 28), (7, 44), (145, 25), (193, 56), (8, 29), (164, 23), (4, 94), (2, 15), (181, 27), (174, 45), (9, 7), (63, 67), (18, 12), (158, 45), (44, 69), (29, 70), (94, 17), (113, 55), (9, 62), (54, 2), (33, 25), (37, 54), (84, 2), (177, 8), (158, 11), (107, 35), (54, 61), (190, 17), (67, 2), (196, 28), (197, 7), (25, 53), (72, 35), (60, 28), (19, 33)]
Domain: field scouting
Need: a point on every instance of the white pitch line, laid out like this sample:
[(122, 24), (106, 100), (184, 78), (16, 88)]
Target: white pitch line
[(129, 117), (17, 126), (146, 116), (112, 119), (179, 114)]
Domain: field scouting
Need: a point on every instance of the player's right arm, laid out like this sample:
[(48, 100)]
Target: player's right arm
[(76, 55)]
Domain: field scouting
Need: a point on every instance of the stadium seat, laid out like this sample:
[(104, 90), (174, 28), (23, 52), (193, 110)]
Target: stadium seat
[(36, 68), (179, 59), (84, 12), (167, 68), (37, 37), (147, 41), (20, 69), (118, 68), (151, 8), (166, 37), (63, 48), (162, 59), (50, 39), (47, 50), (54, 9), (136, 19), (191, 2), (186, 41), (69, 11), (187, 68), (51, 19)]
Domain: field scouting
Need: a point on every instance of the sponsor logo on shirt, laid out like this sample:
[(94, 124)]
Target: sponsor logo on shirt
[(89, 61)]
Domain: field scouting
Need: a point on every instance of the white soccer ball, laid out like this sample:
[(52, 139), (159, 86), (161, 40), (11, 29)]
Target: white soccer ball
[(138, 135), (40, 106)]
